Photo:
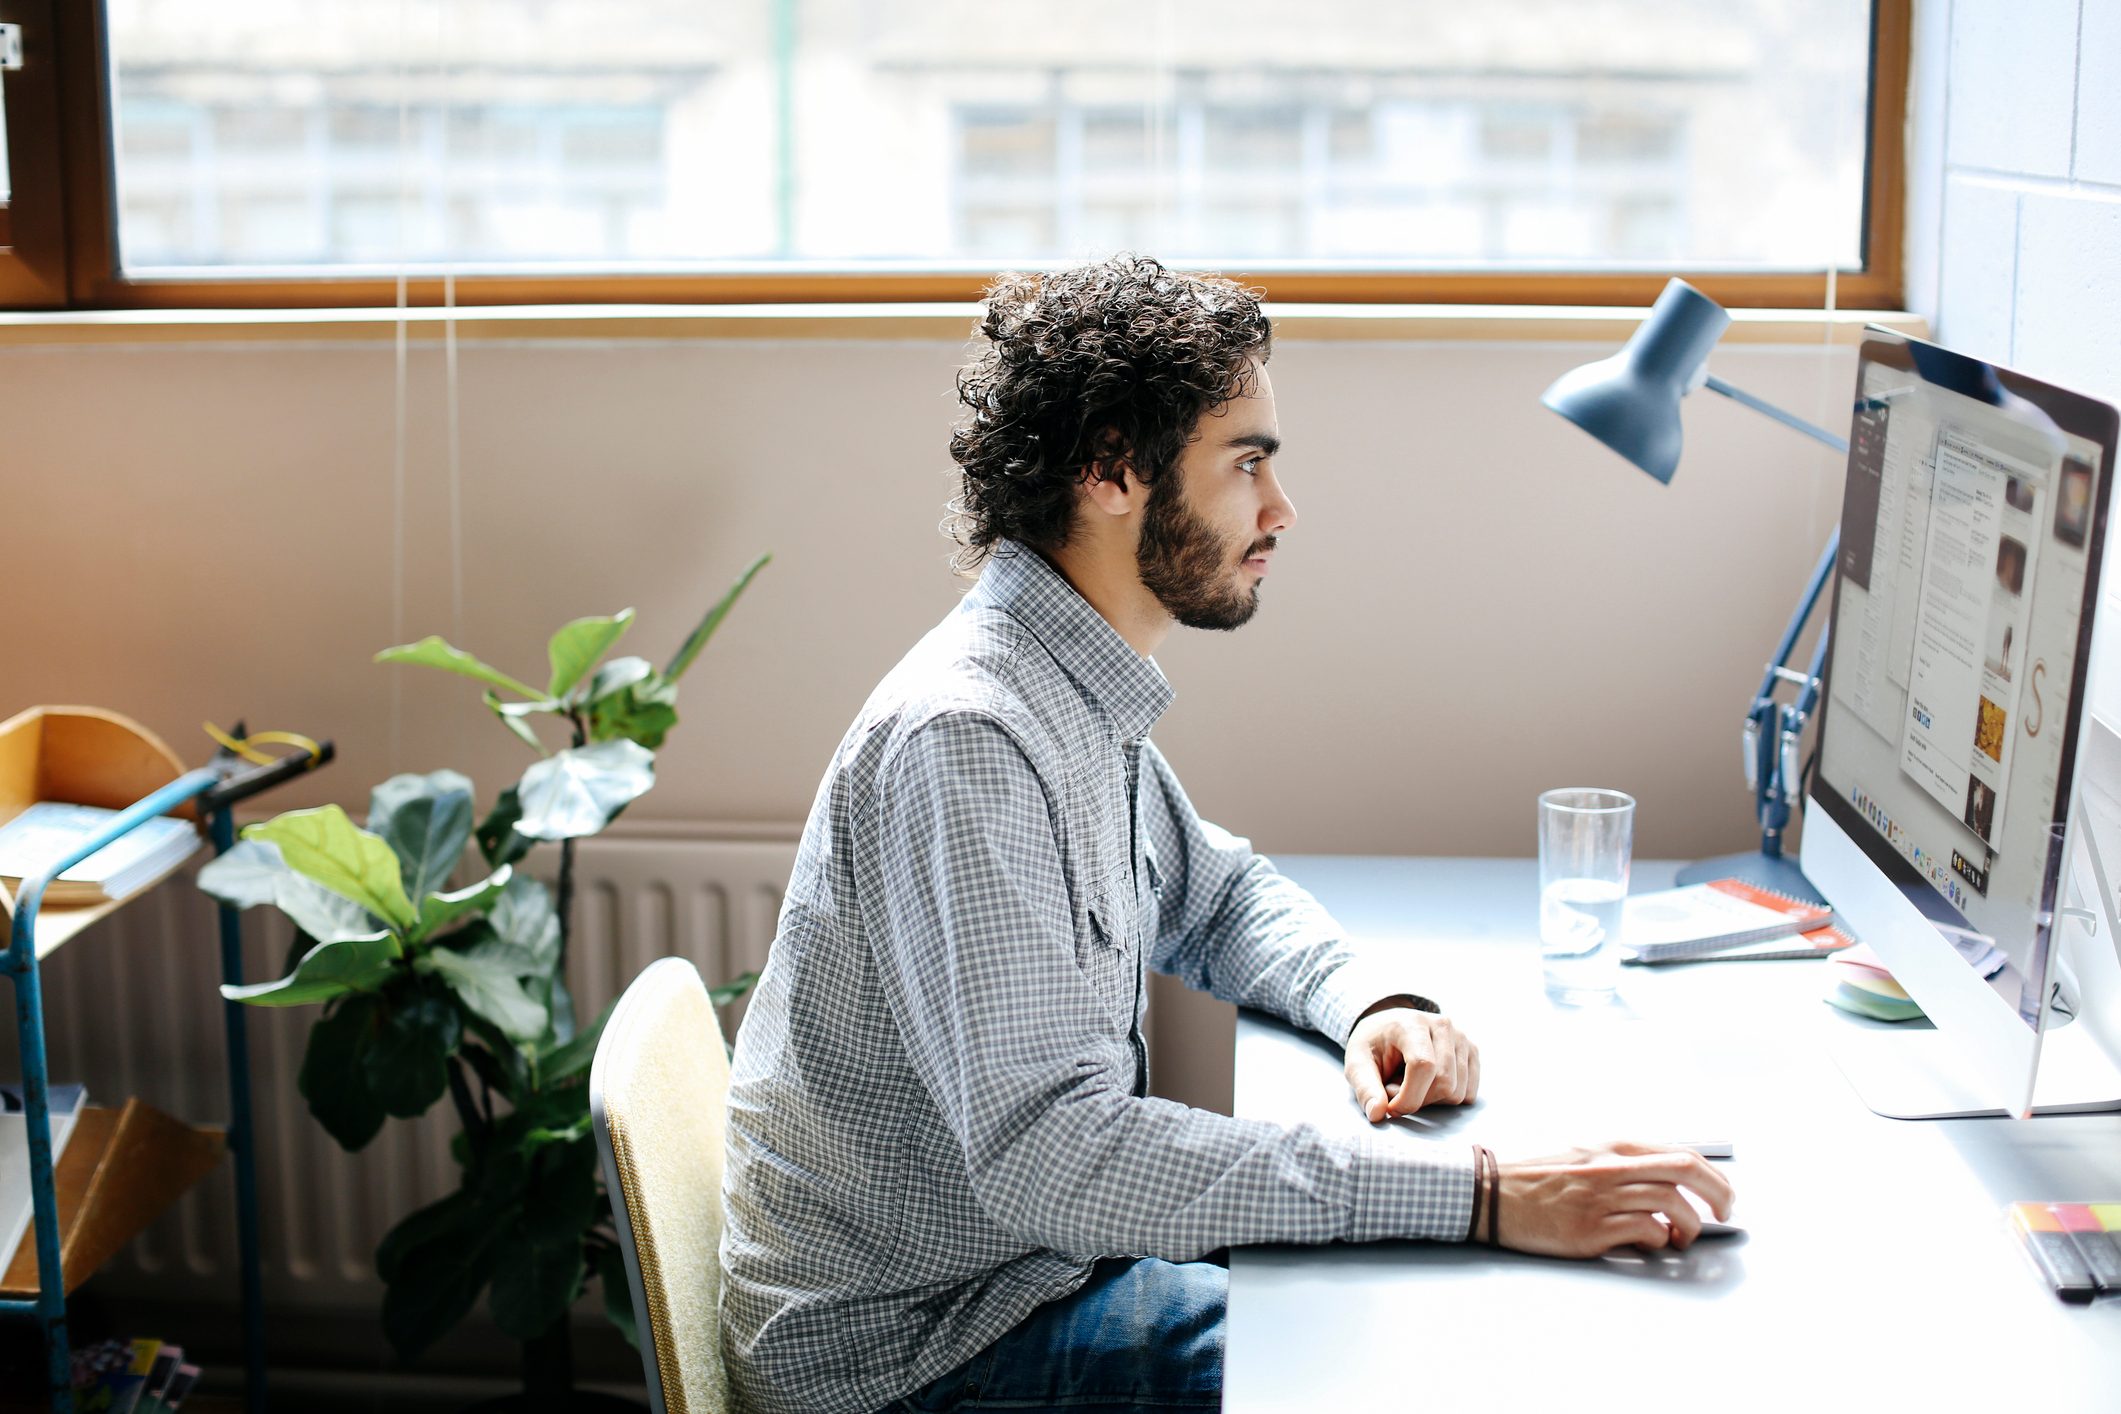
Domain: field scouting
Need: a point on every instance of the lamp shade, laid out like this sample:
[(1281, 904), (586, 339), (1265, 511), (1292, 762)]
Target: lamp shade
[(1630, 401)]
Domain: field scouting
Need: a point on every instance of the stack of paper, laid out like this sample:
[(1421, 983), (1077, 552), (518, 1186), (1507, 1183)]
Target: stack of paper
[(50, 830), (1863, 986), (132, 1377), (15, 1201), (1726, 918)]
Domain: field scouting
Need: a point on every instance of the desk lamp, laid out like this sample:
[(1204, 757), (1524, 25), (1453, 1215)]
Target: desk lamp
[(1630, 402)]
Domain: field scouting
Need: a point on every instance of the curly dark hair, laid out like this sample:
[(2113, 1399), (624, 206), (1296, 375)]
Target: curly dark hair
[(1085, 368)]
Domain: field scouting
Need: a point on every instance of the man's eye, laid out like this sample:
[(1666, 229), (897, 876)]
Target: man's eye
[(1250, 465)]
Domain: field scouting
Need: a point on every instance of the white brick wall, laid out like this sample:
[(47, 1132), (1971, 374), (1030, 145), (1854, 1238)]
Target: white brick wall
[(2013, 85), (2022, 263), (2099, 94), (1979, 265)]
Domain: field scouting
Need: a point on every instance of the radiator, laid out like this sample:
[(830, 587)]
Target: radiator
[(131, 1009)]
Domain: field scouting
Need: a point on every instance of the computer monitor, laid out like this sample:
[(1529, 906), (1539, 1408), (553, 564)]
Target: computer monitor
[(1945, 798)]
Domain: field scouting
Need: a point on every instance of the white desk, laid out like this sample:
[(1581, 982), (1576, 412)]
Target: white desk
[(1876, 1273)]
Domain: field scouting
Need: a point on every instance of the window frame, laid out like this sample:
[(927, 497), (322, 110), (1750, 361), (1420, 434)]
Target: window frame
[(66, 254)]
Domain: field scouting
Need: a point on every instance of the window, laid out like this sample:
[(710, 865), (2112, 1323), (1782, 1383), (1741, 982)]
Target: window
[(305, 151)]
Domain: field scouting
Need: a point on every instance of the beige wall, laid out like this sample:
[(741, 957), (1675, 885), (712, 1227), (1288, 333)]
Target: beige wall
[(1477, 604)]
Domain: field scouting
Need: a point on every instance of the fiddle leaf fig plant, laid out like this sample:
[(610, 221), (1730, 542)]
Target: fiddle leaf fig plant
[(427, 990)]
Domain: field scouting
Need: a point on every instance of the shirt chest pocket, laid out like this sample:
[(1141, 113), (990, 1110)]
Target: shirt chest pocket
[(1109, 949)]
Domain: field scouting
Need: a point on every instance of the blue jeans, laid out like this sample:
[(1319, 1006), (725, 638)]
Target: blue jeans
[(1140, 1334)]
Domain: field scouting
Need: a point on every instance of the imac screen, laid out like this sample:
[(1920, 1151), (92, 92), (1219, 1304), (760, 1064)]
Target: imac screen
[(1969, 557)]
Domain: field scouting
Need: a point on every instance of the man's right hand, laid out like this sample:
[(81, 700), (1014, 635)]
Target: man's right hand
[(1589, 1201)]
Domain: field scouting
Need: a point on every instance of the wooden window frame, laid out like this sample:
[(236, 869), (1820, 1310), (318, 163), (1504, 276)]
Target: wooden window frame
[(65, 254)]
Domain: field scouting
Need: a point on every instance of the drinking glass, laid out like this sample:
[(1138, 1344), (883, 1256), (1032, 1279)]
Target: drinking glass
[(1585, 839)]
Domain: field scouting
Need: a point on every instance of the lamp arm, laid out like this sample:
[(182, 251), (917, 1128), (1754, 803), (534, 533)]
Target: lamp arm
[(1739, 395), (1798, 619), (1774, 730)]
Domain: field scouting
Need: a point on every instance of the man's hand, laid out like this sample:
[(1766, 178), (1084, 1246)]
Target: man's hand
[(1588, 1201), (1400, 1059)]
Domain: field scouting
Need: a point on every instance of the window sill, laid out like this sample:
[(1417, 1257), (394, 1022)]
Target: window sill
[(862, 322)]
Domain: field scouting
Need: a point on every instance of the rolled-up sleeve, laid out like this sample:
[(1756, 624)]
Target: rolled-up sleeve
[(976, 952)]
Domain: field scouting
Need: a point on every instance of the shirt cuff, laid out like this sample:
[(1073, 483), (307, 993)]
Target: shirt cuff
[(1350, 990), (1426, 1193)]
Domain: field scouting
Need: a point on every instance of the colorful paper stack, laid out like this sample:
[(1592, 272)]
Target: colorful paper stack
[(1861, 984), (2076, 1247), (131, 1377)]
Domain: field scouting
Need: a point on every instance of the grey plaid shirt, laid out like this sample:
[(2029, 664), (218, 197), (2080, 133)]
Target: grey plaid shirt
[(938, 1112)]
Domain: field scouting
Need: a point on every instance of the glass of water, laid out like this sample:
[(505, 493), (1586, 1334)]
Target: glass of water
[(1585, 839)]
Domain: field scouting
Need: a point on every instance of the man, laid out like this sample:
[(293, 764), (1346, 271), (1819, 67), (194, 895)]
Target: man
[(947, 1185)]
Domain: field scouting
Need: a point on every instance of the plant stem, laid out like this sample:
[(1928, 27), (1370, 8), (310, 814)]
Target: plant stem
[(467, 1111), (564, 905)]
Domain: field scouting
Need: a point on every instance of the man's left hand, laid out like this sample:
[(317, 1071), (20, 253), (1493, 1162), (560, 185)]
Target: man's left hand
[(1400, 1059)]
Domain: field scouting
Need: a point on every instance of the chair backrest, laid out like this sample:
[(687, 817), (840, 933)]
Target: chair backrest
[(659, 1095)]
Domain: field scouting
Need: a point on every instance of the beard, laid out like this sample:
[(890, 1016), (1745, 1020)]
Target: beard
[(1190, 569)]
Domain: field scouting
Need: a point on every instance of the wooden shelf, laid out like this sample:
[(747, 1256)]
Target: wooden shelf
[(83, 756), (120, 1170)]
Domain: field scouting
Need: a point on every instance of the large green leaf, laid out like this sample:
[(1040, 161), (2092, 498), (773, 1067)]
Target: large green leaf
[(438, 911), (575, 1056), (618, 1296), (432, 652), (489, 988), (577, 791), (322, 914), (406, 1067), (354, 864), (245, 875), (422, 1226), (525, 925), (253, 872), (574, 650), (534, 1281), (559, 1002), (330, 969), (498, 1061), (426, 820), (540, 1271), (498, 839), (697, 639), (436, 1272), (333, 1078)]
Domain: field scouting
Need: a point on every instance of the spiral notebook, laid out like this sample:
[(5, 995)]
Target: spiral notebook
[(1725, 919)]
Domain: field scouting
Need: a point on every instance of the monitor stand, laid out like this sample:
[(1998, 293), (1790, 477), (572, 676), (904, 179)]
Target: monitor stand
[(1920, 1074)]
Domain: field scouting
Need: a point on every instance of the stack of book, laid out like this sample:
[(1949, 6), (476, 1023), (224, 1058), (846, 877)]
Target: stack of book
[(132, 1377), (50, 830), (1725, 919)]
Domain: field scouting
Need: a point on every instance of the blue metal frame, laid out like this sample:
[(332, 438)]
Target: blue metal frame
[(21, 968)]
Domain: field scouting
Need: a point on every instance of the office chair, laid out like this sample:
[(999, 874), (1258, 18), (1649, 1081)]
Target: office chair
[(658, 1095)]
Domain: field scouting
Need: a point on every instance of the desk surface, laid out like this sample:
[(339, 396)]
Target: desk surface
[(1876, 1272)]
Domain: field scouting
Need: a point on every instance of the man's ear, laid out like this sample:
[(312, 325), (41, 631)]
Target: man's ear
[(1120, 494)]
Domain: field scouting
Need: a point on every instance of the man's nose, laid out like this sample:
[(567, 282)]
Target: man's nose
[(1279, 513)]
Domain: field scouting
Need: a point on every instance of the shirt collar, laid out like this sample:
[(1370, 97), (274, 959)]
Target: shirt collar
[(1018, 581)]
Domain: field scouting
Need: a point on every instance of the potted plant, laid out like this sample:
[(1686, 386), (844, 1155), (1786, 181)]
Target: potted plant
[(429, 991)]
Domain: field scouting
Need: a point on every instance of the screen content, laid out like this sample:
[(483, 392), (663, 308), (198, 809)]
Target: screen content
[(1966, 543)]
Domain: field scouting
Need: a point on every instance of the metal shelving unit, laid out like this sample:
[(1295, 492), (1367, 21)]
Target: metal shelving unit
[(91, 757)]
